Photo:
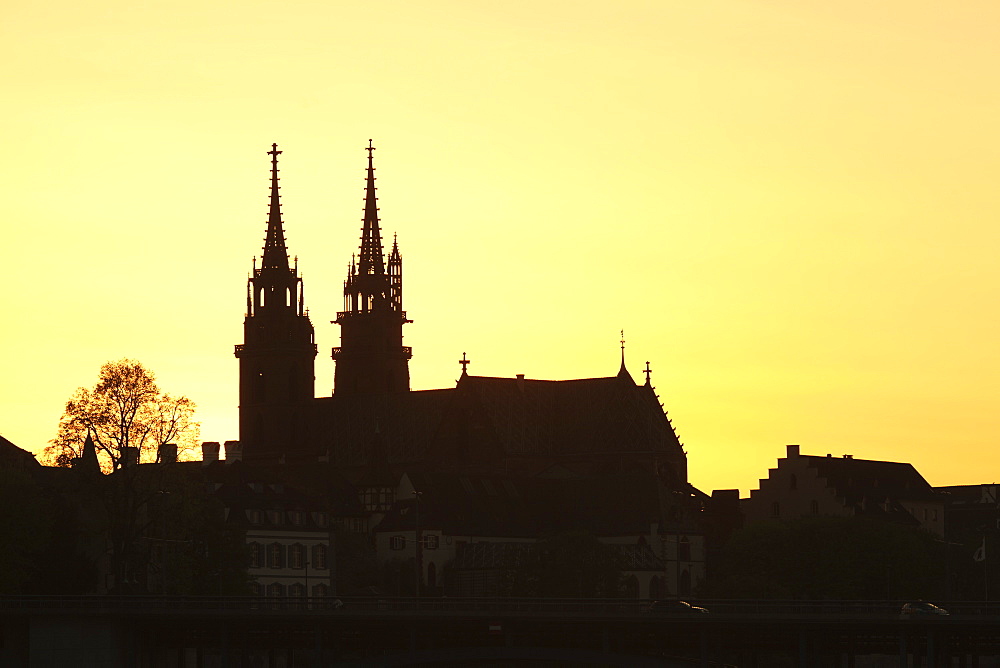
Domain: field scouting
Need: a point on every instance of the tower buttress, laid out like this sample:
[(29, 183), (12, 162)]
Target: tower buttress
[(278, 351), (371, 357)]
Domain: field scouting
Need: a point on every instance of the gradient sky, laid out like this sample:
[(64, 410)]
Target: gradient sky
[(790, 206)]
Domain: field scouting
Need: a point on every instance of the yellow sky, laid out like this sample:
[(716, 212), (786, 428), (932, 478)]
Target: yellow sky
[(789, 205)]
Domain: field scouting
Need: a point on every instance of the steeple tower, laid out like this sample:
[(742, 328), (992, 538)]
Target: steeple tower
[(278, 351), (371, 357)]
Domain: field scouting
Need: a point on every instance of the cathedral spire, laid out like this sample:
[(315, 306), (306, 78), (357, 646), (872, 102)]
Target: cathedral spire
[(371, 261), (275, 252)]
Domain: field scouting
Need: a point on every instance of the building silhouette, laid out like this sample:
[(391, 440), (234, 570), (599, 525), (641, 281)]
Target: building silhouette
[(558, 438)]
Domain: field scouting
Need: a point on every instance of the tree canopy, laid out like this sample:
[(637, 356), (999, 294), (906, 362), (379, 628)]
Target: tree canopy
[(124, 410)]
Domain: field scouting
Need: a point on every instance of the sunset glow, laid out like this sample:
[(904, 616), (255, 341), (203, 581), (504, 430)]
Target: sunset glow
[(789, 206)]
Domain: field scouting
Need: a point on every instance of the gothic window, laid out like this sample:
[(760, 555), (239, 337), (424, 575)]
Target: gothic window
[(276, 555), (319, 557), (684, 549)]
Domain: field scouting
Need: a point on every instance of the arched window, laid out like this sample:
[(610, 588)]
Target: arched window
[(683, 549)]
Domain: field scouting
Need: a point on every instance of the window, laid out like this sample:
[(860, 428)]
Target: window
[(276, 516), (256, 555), (683, 549), (397, 543), (775, 509), (320, 519), (431, 575), (256, 589), (296, 556), (276, 555), (275, 589), (431, 542), (254, 516), (814, 507), (320, 590), (319, 557), (297, 589), (296, 517)]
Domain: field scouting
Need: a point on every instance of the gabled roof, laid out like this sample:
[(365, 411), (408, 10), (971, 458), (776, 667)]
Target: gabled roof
[(857, 479), (566, 417), (484, 421), (12, 456)]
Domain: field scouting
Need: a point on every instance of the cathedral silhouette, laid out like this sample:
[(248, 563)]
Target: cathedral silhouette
[(375, 425)]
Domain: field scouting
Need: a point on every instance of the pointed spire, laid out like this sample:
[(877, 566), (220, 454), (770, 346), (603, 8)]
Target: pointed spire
[(88, 458), (372, 261), (623, 370), (275, 252)]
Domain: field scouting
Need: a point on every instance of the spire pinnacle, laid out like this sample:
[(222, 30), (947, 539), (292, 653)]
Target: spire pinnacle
[(275, 253), (465, 364), (623, 372), (372, 261)]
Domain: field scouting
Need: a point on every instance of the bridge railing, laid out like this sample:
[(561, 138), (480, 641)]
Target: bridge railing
[(474, 605)]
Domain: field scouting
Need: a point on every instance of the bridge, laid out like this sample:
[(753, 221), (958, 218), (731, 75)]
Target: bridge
[(251, 632)]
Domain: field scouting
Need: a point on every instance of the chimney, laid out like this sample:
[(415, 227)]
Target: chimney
[(792, 450), (520, 381), (209, 452), (234, 451), (167, 453), (130, 457)]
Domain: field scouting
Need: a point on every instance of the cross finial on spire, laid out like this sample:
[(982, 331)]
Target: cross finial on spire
[(648, 372), (275, 253), (370, 149), (465, 363), (623, 346)]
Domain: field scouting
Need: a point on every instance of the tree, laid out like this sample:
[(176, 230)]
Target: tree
[(830, 558), (124, 410)]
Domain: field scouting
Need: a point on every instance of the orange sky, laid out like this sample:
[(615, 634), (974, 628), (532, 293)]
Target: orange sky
[(789, 205)]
